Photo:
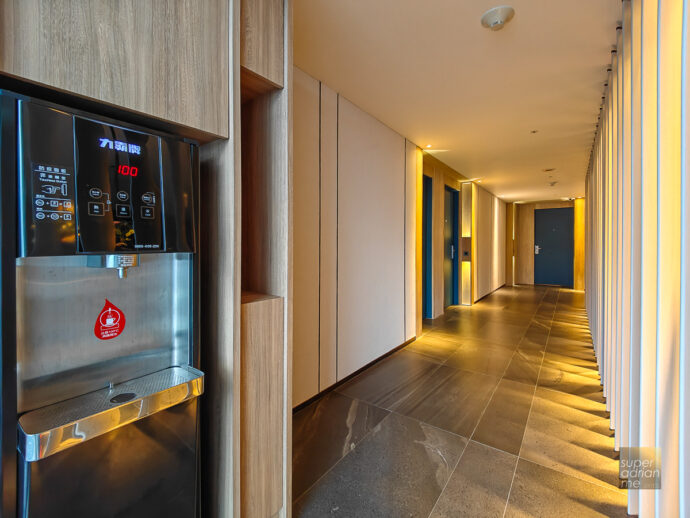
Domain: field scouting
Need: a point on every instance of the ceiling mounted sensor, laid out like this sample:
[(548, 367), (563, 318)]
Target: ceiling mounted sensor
[(497, 17)]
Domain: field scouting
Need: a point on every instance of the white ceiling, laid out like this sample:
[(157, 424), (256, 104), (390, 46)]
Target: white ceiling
[(431, 72)]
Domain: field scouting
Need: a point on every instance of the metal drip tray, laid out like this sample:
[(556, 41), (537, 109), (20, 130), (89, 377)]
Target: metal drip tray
[(57, 427)]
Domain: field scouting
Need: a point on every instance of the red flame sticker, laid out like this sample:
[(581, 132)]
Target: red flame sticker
[(110, 322)]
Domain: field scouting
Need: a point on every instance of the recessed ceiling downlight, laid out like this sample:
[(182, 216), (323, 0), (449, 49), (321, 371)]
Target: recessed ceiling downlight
[(497, 17)]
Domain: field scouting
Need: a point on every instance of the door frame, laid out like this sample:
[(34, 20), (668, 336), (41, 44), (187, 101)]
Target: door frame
[(455, 238)]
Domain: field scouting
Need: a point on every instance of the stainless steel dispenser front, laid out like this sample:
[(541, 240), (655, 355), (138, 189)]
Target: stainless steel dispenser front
[(107, 389)]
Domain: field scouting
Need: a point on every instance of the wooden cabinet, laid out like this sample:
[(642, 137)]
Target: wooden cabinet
[(262, 405), (261, 39), (163, 58)]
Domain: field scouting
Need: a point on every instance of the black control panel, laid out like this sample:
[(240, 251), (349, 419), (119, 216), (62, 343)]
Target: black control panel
[(118, 188), (91, 187)]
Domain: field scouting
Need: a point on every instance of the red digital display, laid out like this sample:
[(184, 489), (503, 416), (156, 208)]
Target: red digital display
[(126, 170)]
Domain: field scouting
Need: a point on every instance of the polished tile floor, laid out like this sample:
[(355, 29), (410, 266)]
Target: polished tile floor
[(496, 410)]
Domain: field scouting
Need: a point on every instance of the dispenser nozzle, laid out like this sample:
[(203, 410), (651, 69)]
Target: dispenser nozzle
[(121, 262)]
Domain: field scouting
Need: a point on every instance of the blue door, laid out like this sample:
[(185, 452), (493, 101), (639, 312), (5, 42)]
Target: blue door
[(553, 246), (450, 246), (427, 187)]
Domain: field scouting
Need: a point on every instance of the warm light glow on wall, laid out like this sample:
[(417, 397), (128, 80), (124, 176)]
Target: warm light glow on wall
[(638, 249), (466, 209), (467, 195), (466, 298), (497, 243)]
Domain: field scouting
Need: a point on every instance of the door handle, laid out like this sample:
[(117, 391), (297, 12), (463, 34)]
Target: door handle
[(452, 251), (537, 248)]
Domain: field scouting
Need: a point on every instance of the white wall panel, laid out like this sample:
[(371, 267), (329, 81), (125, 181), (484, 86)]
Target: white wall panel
[(329, 238), (410, 239), (371, 240), (638, 267), (648, 245), (635, 234), (669, 213), (305, 378), (684, 428)]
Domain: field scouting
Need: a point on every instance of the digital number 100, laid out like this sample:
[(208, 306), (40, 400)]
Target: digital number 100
[(126, 170)]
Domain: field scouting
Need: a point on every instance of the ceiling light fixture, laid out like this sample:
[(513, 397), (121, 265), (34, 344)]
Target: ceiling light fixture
[(496, 18), (428, 146)]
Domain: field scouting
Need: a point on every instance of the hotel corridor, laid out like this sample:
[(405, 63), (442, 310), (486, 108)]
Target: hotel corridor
[(496, 410)]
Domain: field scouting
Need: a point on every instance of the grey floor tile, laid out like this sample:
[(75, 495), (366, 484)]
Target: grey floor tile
[(523, 370), (573, 409), (502, 333), (391, 380), (464, 340), (548, 408), (503, 424), (434, 348), (595, 408), (571, 448), (573, 364), (482, 358), (542, 492), (326, 431), (451, 399), (479, 485), (398, 470), (570, 383)]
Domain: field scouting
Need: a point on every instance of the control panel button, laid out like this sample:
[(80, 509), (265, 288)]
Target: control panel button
[(147, 212), (68, 204), (95, 208), (122, 195), (39, 203), (67, 217), (40, 215), (149, 198), (95, 193), (123, 211), (55, 216)]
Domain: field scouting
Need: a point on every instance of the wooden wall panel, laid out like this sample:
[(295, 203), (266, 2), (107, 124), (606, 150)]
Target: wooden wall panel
[(524, 235), (306, 177), (371, 238), (262, 39), (265, 194), (267, 237), (219, 245), (262, 340), (441, 176), (164, 58), (437, 248), (329, 238), (219, 329), (411, 151), (579, 254), (419, 186)]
